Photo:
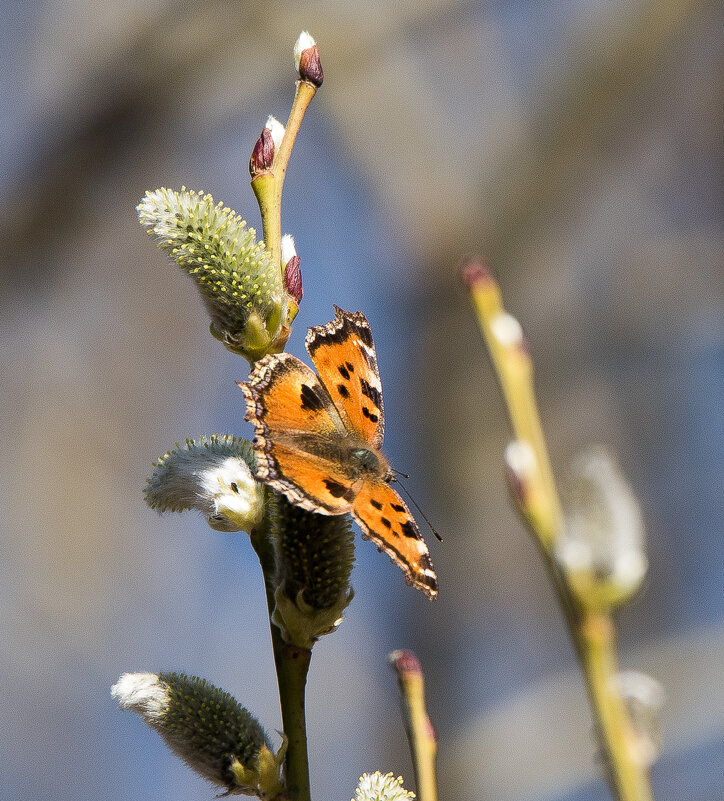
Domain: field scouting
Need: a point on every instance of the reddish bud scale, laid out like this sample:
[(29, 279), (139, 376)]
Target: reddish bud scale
[(405, 663), (293, 278), (517, 488), (475, 272), (310, 66), (263, 154)]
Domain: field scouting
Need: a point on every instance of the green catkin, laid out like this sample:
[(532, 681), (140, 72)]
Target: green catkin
[(208, 728), (235, 274), (315, 553)]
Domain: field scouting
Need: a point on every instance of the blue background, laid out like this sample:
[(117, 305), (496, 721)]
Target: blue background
[(576, 145)]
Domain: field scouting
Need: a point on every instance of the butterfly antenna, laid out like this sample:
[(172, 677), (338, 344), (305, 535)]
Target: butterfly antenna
[(414, 503)]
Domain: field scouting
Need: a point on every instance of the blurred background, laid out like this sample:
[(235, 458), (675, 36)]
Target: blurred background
[(576, 145)]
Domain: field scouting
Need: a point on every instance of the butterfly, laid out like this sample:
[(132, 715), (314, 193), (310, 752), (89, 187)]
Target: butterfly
[(318, 439)]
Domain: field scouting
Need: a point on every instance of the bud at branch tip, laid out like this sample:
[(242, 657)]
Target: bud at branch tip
[(306, 60)]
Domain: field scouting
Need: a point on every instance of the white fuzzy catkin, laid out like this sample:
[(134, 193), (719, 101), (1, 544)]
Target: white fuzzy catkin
[(213, 475), (142, 693), (277, 131), (304, 42), (603, 528)]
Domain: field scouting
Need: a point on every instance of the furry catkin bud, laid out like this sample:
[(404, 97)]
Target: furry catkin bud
[(644, 698), (293, 278), (214, 475), (262, 156), (315, 555), (269, 141), (405, 663), (520, 466), (306, 60), (202, 724), (276, 129), (601, 549), (237, 277), (292, 268)]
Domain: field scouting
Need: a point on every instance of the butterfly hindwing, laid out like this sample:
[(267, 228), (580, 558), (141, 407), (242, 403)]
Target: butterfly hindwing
[(344, 354), (386, 520), (309, 477), (299, 435)]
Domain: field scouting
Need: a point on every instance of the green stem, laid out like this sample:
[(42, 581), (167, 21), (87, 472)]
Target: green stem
[(631, 782), (292, 665), (420, 732), (593, 634), (268, 186), (594, 638), (264, 187)]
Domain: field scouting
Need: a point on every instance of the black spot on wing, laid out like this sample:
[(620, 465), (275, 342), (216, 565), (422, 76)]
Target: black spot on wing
[(426, 564), (370, 392), (375, 503), (385, 522), (311, 402), (344, 371), (337, 490), (369, 415), (397, 507), (349, 366), (409, 530), (343, 391)]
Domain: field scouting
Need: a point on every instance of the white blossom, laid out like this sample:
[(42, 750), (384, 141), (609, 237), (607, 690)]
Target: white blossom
[(376, 787)]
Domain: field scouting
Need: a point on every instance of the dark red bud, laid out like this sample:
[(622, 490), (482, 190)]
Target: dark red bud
[(517, 488), (263, 154), (474, 272), (405, 662), (310, 66), (293, 278)]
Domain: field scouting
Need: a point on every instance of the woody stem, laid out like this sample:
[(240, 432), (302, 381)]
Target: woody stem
[(292, 665), (593, 635), (268, 185)]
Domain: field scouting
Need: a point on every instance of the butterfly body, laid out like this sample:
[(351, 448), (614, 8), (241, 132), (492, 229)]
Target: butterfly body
[(318, 439)]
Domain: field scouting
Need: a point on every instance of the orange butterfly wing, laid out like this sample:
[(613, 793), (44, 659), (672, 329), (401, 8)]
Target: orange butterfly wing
[(344, 354), (385, 519), (310, 433), (299, 436)]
